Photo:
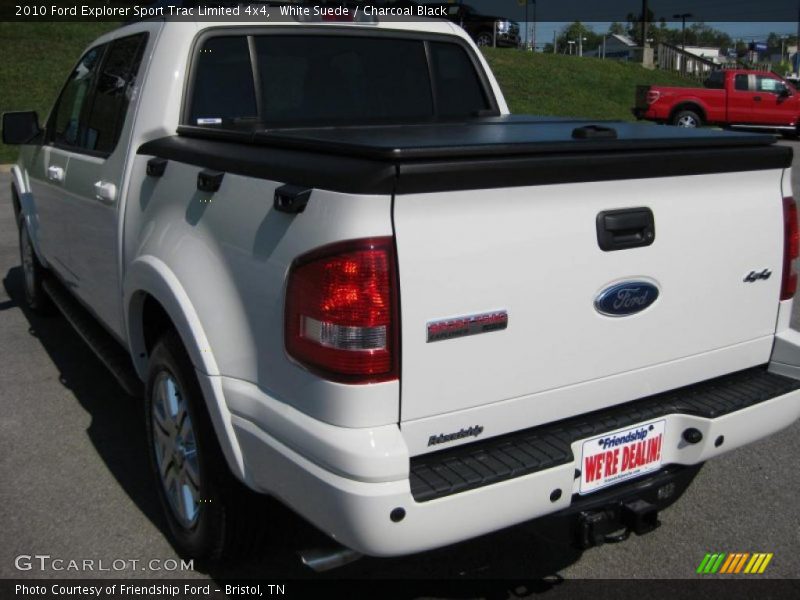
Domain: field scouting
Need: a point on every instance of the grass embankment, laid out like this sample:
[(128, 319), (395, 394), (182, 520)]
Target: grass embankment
[(554, 84), (37, 57)]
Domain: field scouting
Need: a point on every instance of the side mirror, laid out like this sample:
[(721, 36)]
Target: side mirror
[(785, 92), (20, 127)]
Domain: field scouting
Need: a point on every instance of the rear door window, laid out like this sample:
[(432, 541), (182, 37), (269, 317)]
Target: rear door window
[(89, 114), (741, 83), (715, 81), (113, 92)]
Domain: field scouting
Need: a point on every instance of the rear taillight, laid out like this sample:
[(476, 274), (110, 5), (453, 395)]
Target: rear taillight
[(341, 311), (653, 96), (791, 248)]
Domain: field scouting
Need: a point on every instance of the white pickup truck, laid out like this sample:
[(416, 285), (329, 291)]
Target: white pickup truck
[(341, 274)]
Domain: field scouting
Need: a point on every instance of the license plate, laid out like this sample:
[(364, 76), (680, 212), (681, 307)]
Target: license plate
[(614, 457)]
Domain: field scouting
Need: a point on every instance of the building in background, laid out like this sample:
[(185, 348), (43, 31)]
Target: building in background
[(616, 47)]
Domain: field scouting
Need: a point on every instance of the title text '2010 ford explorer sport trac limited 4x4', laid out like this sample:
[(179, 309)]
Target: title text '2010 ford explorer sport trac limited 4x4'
[(346, 277)]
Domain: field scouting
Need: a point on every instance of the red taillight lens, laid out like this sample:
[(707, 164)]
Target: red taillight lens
[(653, 96), (341, 311), (791, 248)]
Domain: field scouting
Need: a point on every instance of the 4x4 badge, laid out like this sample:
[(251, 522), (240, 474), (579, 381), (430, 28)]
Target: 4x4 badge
[(754, 276)]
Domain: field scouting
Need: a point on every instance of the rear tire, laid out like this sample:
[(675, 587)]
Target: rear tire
[(209, 513), (688, 119), (33, 273)]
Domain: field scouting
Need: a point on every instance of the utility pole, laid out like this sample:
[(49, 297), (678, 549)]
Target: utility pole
[(533, 43), (796, 65), (645, 10), (555, 42), (526, 24), (683, 17)]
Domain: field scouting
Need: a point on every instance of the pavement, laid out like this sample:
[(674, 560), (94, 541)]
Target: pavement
[(74, 485)]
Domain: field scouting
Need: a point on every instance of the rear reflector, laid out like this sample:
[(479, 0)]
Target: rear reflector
[(791, 248), (341, 311)]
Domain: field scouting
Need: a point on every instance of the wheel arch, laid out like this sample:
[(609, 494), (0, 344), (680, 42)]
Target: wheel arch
[(153, 300), (689, 105), (24, 207)]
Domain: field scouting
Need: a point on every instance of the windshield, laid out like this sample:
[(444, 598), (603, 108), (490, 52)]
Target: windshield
[(301, 79)]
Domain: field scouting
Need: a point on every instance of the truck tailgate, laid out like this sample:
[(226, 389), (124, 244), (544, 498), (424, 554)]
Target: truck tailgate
[(500, 262), (533, 253)]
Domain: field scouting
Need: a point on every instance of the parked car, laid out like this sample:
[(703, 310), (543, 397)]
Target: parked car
[(735, 98), (339, 273), (485, 30)]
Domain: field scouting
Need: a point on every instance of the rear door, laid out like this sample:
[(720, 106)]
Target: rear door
[(740, 99), (502, 289), (95, 175)]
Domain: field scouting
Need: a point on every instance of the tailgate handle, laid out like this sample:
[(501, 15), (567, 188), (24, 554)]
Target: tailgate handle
[(588, 132), (627, 228)]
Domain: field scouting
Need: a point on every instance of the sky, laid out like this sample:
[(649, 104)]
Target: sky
[(756, 31), (751, 20), (744, 11)]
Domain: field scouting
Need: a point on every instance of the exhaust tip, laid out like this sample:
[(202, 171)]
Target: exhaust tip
[(325, 559)]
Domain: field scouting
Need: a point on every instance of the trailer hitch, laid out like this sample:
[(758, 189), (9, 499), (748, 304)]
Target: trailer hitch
[(615, 523)]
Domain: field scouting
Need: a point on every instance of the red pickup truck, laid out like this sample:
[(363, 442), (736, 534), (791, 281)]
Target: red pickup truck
[(734, 98)]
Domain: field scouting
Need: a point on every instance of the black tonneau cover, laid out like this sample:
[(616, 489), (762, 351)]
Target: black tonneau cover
[(481, 153)]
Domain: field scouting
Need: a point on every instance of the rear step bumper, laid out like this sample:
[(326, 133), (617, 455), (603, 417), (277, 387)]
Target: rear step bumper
[(523, 452), (416, 512)]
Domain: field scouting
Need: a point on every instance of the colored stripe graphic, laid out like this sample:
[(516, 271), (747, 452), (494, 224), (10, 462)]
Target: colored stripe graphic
[(711, 563), (734, 563), (729, 563), (703, 563), (741, 562)]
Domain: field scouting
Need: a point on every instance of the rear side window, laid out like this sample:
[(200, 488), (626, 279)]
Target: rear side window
[(223, 84), (287, 80), (458, 90), (715, 81), (741, 83)]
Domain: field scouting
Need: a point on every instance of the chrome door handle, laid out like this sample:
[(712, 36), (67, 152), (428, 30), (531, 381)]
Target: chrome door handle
[(105, 191), (55, 174)]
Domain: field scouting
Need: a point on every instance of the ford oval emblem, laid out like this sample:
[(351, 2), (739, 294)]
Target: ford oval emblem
[(626, 298)]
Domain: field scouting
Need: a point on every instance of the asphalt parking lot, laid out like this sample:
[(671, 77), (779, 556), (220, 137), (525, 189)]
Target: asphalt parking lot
[(74, 483)]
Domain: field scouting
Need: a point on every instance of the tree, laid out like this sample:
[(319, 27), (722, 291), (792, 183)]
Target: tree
[(701, 34), (617, 29), (574, 31), (635, 25)]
